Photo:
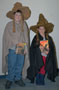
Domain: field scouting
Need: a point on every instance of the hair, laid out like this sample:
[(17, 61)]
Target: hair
[(18, 11), (22, 20), (37, 37)]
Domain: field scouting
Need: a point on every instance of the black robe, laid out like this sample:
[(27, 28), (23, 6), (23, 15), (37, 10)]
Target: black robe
[(36, 61)]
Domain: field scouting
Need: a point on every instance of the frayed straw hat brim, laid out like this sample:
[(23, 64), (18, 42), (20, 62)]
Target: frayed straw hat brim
[(18, 6)]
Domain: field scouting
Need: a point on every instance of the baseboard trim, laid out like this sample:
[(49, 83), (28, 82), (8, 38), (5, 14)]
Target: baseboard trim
[(4, 76)]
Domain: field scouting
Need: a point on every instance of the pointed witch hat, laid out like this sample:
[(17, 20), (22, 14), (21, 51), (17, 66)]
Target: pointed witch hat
[(42, 22)]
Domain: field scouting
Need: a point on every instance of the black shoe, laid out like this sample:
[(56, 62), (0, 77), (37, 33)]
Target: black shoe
[(52, 79), (8, 84), (32, 80), (20, 83)]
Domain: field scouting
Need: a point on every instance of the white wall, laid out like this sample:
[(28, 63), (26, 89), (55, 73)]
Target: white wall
[(48, 7)]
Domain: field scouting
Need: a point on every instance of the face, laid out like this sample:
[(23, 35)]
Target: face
[(18, 16), (41, 30)]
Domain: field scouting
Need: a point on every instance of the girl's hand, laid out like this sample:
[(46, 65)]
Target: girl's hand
[(46, 52), (41, 48)]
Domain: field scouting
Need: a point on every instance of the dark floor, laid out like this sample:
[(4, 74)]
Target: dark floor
[(48, 85)]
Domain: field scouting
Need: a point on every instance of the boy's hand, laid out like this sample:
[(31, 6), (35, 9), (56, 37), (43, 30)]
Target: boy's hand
[(25, 51)]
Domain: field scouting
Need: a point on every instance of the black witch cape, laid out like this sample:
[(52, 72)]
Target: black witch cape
[(36, 61)]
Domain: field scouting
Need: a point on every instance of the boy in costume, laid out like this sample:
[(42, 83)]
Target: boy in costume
[(16, 33)]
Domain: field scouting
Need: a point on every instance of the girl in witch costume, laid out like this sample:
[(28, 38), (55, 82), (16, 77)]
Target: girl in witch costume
[(16, 33), (42, 59)]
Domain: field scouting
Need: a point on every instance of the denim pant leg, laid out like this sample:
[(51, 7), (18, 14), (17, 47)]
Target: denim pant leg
[(19, 67), (11, 65), (40, 79)]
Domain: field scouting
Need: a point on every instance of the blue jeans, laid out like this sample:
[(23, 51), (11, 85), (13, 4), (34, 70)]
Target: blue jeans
[(40, 79), (15, 66)]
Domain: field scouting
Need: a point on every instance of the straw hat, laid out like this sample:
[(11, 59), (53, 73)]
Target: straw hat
[(18, 6), (42, 22)]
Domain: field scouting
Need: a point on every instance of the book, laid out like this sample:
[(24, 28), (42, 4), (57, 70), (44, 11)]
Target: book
[(20, 47), (45, 44)]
